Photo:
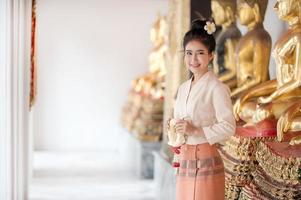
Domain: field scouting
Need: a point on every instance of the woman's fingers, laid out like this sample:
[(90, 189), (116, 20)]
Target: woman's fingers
[(181, 129), (181, 126), (181, 123)]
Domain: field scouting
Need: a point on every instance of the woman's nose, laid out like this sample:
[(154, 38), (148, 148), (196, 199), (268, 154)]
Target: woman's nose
[(194, 57)]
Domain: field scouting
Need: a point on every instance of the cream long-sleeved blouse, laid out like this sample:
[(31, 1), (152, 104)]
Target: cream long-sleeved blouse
[(208, 105)]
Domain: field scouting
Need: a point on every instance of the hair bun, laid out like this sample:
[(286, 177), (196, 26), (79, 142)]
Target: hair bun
[(198, 24)]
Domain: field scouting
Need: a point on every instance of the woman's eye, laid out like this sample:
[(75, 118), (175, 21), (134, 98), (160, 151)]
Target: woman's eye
[(200, 53), (188, 53)]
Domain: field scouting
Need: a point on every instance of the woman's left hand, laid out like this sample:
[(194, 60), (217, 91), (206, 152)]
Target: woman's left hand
[(185, 127)]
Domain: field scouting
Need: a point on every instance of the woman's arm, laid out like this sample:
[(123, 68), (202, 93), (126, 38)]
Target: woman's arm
[(225, 125)]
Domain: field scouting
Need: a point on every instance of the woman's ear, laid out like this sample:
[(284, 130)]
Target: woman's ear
[(211, 56)]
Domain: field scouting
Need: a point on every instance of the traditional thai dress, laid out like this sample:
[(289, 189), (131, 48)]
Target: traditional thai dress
[(208, 105)]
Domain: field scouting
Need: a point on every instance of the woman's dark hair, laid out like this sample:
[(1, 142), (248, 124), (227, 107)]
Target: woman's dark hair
[(197, 32)]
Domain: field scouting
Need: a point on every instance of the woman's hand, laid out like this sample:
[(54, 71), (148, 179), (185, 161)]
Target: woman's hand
[(185, 127)]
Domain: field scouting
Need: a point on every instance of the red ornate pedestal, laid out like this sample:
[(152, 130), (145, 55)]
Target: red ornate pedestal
[(283, 149), (266, 128)]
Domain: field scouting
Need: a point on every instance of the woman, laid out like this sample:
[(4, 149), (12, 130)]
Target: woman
[(203, 113)]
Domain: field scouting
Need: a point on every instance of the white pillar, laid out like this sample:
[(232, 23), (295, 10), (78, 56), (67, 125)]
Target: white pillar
[(15, 20)]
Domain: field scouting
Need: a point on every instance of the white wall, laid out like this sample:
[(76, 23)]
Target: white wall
[(88, 53)]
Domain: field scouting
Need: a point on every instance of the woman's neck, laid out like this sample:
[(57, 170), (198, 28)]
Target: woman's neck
[(198, 76)]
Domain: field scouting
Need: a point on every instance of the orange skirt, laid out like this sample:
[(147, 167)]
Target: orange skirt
[(201, 174)]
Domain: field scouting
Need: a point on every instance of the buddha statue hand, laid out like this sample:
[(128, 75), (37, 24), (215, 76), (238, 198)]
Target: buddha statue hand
[(283, 125), (286, 123), (263, 111), (267, 99)]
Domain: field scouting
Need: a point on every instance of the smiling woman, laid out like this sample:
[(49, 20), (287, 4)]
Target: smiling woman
[(203, 113)]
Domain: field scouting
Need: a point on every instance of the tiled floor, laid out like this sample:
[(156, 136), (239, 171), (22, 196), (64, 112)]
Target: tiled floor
[(85, 176)]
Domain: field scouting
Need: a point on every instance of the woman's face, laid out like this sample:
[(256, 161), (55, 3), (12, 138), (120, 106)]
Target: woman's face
[(197, 57)]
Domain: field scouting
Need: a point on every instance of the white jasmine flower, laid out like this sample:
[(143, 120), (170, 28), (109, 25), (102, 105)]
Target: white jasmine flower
[(210, 27)]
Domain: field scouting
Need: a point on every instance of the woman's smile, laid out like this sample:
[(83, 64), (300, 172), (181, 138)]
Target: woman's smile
[(194, 65)]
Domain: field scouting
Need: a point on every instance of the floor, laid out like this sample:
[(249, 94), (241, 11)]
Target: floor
[(85, 176)]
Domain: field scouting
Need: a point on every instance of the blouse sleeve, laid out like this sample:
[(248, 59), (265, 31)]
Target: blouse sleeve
[(225, 125)]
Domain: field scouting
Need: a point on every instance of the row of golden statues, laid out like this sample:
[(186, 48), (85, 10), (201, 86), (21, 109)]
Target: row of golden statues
[(245, 66), (257, 166), (265, 154)]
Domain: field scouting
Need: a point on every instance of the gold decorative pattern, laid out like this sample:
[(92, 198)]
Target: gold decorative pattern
[(283, 170)]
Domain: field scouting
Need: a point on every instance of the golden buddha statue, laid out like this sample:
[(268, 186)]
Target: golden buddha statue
[(252, 61), (280, 98), (152, 83), (223, 13), (159, 38), (143, 112), (253, 49)]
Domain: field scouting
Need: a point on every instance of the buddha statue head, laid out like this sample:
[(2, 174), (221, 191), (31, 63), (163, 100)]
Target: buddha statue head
[(251, 12), (223, 11), (288, 10), (158, 32)]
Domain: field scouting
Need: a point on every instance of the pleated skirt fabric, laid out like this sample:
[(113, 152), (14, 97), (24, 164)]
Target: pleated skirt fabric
[(201, 174)]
